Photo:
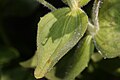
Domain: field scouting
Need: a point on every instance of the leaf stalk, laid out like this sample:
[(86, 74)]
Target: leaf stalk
[(48, 5)]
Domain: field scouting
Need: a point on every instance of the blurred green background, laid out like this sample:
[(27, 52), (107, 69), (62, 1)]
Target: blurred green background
[(18, 30)]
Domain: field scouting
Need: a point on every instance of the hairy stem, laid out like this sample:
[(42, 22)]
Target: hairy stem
[(48, 5), (95, 13), (91, 28)]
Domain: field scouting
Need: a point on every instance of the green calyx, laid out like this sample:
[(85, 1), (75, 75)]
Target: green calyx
[(73, 4)]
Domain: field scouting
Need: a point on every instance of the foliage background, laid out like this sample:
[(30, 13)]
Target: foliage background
[(18, 30)]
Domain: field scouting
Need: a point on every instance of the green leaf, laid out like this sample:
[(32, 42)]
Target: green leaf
[(72, 64), (58, 32), (81, 3), (107, 39), (7, 54)]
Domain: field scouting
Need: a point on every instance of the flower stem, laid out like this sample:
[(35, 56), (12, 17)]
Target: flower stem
[(95, 13), (48, 5)]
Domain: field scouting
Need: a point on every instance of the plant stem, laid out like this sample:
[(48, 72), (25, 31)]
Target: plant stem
[(95, 13), (91, 28), (48, 5), (73, 4)]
